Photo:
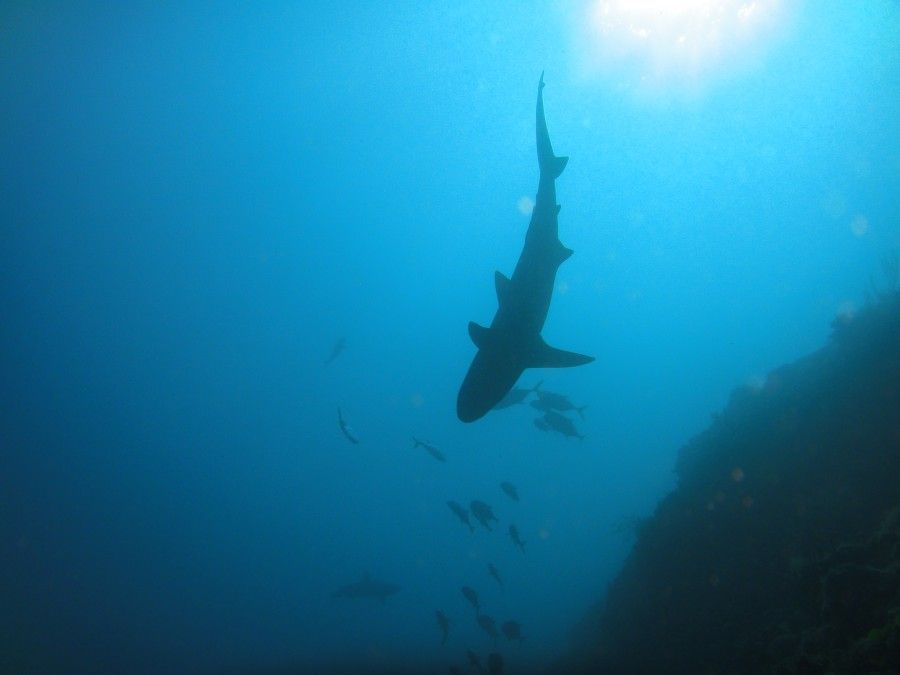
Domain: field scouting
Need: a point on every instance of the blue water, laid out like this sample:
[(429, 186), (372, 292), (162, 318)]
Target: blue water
[(198, 201)]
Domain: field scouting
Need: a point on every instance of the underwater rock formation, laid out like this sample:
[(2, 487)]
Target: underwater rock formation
[(779, 550)]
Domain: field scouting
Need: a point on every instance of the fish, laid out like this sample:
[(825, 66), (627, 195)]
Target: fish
[(512, 630), (510, 490), (517, 540), (515, 396), (444, 624), (346, 429), (553, 421), (488, 626), (430, 449), (548, 400), (494, 573), (339, 346), (461, 513), (483, 513), (367, 588), (472, 597), (513, 341)]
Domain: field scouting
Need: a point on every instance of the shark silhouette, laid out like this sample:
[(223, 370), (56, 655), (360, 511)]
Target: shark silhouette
[(513, 341)]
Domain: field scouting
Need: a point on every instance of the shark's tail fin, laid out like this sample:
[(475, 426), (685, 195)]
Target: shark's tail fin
[(550, 164)]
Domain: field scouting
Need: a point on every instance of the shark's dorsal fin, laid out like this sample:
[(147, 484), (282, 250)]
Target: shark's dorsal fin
[(558, 208), (546, 356), (479, 334), (501, 283)]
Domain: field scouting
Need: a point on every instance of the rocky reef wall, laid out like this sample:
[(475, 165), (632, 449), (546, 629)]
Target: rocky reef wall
[(779, 550)]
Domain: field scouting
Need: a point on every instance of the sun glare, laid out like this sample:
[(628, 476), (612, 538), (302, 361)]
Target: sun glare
[(661, 44)]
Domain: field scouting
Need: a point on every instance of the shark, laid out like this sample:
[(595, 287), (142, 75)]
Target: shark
[(367, 588), (513, 341)]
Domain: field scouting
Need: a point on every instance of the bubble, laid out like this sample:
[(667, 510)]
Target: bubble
[(525, 205), (737, 474), (859, 225)]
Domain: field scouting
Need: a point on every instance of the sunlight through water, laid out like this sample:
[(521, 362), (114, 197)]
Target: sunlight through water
[(658, 46)]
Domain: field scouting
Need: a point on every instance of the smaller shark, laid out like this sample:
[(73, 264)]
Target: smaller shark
[(367, 588), (346, 429)]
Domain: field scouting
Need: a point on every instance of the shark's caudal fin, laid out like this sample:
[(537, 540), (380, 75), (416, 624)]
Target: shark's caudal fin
[(550, 164), (546, 356)]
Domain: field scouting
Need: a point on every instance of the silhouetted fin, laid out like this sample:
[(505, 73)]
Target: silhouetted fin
[(479, 334), (564, 254), (549, 163), (559, 207), (501, 283), (549, 357)]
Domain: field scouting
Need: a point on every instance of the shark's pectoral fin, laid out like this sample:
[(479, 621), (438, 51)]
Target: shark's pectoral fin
[(546, 356), (501, 283), (479, 334)]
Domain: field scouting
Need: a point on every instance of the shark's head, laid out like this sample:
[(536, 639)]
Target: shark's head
[(489, 379)]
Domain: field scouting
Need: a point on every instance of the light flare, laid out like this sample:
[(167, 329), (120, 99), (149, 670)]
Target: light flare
[(666, 43)]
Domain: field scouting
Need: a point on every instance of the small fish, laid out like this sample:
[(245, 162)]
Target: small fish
[(474, 661), (339, 346), (547, 400), (433, 451), (346, 429), (494, 573), (512, 630), (495, 664), (488, 626), (461, 513), (472, 597), (444, 624), (510, 490), (515, 396), (483, 513), (517, 540), (552, 420)]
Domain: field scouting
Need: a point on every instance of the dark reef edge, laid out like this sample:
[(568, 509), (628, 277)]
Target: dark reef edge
[(779, 549)]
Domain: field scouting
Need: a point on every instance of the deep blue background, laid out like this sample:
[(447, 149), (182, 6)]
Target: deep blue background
[(195, 203)]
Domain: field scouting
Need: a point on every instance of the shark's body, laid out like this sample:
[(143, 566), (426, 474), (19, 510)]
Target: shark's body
[(513, 342), (367, 588)]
